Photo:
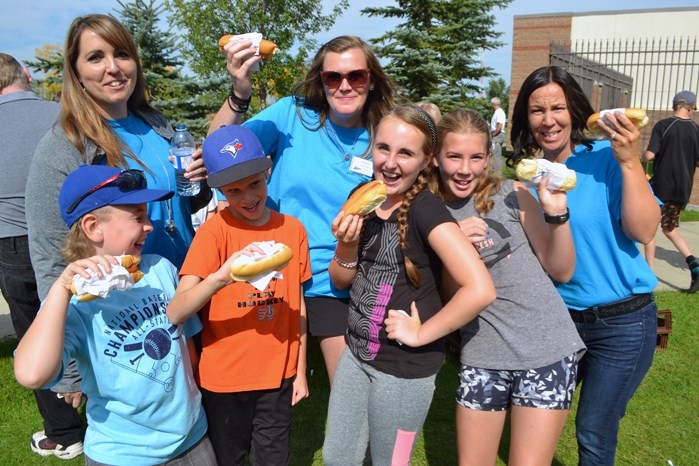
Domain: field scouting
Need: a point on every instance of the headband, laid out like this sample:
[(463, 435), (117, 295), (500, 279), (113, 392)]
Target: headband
[(430, 123)]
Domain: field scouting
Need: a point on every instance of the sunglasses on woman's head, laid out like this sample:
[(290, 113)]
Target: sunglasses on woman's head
[(127, 180), (355, 78)]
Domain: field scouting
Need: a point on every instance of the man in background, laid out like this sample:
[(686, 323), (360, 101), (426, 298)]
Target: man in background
[(497, 134), (24, 119), (674, 150)]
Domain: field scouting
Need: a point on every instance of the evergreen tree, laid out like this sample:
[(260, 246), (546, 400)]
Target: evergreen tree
[(288, 23), (434, 53)]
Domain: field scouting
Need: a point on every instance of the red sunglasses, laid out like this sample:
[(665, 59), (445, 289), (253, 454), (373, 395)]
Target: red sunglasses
[(127, 180), (355, 78)]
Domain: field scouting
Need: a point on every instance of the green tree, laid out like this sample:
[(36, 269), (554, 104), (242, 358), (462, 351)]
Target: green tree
[(181, 98), (288, 23), (49, 62), (434, 53), (498, 88)]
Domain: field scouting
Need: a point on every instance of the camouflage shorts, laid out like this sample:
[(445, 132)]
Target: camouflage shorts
[(670, 215), (548, 387)]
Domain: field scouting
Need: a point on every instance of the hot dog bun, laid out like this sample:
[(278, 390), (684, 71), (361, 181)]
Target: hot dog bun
[(637, 116), (266, 49), (130, 263), (366, 198), (242, 271)]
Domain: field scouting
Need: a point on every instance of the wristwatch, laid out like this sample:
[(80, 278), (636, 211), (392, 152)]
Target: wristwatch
[(557, 219)]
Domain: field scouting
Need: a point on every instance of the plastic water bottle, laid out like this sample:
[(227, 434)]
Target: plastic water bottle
[(181, 148)]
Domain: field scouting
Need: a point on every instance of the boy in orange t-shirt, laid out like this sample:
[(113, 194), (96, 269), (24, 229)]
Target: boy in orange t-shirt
[(252, 368)]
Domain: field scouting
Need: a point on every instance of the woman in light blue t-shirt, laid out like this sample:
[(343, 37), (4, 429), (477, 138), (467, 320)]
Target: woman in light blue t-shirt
[(319, 141)]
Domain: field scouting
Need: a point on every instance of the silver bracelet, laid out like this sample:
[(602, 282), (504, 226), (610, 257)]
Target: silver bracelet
[(347, 265)]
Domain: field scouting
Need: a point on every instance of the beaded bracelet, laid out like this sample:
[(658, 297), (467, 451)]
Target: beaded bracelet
[(347, 265), (242, 104)]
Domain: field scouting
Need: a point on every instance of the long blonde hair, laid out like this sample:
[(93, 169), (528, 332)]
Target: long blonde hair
[(309, 92), (79, 116), (470, 122), (418, 118)]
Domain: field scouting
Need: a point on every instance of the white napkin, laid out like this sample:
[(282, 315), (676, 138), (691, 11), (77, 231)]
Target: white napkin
[(556, 172), (603, 115), (118, 279), (262, 280), (255, 38)]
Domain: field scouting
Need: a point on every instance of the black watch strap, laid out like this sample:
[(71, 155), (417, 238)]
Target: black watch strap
[(557, 219)]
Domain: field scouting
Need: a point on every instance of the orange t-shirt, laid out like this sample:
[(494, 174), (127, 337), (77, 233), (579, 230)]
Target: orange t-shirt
[(250, 339)]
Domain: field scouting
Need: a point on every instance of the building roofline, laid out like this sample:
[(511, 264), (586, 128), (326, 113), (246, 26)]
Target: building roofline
[(610, 12)]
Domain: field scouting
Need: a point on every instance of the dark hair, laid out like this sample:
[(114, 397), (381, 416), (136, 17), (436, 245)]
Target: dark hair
[(309, 92), (579, 108)]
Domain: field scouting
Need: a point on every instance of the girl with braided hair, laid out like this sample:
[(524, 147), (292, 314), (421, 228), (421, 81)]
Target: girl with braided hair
[(393, 261)]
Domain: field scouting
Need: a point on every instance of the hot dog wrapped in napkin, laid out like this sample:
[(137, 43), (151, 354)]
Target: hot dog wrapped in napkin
[(122, 277), (560, 177)]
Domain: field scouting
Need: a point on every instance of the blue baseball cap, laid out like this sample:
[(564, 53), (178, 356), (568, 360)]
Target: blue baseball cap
[(684, 98), (90, 187), (232, 153)]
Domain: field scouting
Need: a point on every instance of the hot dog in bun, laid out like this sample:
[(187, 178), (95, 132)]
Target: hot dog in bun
[(265, 49), (366, 198), (637, 116), (130, 263), (244, 268)]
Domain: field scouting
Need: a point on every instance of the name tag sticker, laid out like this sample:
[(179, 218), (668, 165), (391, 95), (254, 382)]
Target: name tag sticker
[(362, 166)]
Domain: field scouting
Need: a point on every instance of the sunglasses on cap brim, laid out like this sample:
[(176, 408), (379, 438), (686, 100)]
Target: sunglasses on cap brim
[(127, 180)]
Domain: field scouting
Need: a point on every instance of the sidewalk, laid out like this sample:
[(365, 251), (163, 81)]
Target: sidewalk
[(670, 268)]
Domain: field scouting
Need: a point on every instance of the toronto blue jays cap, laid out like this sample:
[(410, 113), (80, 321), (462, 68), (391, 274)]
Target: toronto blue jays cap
[(90, 187), (232, 153)]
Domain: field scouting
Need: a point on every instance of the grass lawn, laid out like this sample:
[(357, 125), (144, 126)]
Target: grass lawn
[(660, 424)]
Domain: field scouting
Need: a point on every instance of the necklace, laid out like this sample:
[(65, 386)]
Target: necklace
[(134, 128), (335, 138)]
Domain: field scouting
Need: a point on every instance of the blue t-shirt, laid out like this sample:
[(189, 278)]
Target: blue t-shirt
[(153, 151), (311, 177), (143, 404), (608, 265)]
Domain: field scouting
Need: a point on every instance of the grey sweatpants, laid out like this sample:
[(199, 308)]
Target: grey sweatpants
[(371, 407)]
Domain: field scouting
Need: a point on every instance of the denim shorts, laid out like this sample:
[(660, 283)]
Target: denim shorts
[(548, 387)]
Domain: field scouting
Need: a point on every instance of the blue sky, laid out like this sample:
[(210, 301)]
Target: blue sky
[(27, 25)]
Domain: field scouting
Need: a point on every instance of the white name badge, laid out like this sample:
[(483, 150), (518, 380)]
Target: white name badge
[(362, 166)]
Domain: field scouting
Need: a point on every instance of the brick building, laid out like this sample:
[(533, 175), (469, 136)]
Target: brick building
[(625, 58)]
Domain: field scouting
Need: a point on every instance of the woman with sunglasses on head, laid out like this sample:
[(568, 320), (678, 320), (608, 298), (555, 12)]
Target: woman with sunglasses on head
[(319, 141), (609, 296), (106, 120)]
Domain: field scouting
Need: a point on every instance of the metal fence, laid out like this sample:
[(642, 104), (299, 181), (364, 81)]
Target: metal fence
[(643, 73)]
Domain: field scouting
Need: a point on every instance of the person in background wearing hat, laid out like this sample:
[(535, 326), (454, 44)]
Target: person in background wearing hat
[(674, 150), (252, 368), (143, 405), (497, 134)]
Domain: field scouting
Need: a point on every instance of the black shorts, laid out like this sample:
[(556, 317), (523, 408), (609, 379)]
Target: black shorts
[(327, 317)]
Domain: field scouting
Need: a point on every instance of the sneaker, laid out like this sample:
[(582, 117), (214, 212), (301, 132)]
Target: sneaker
[(41, 445), (694, 286)]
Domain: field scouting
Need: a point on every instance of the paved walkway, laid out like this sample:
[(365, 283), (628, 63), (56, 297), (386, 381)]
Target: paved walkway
[(670, 268)]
